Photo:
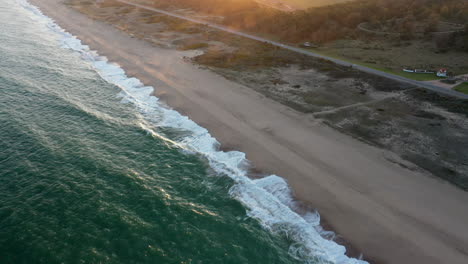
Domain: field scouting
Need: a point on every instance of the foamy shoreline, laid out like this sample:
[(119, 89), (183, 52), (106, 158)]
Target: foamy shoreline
[(268, 199), (338, 184)]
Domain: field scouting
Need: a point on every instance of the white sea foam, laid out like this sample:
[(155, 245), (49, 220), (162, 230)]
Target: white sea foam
[(268, 200)]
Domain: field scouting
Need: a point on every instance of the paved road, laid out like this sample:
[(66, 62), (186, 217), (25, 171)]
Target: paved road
[(424, 85)]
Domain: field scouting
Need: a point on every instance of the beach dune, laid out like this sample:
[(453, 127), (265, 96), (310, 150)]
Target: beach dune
[(389, 213)]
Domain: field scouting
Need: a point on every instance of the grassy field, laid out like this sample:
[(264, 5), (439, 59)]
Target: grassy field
[(392, 57), (412, 76), (463, 88)]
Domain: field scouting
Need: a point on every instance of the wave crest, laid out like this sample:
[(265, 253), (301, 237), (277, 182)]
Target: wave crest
[(269, 199)]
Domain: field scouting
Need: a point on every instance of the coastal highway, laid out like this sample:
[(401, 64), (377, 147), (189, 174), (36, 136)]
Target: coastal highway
[(420, 84)]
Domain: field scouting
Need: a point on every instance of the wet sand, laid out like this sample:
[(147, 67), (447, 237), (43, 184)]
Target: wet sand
[(391, 214)]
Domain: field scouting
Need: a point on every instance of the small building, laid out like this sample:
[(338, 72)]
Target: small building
[(418, 71), (423, 71), (442, 72)]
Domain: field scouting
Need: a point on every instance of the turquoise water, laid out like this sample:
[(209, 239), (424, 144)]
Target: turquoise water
[(82, 182), (93, 172)]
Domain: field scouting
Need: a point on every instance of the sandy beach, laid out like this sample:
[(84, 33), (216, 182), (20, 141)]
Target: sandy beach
[(389, 213)]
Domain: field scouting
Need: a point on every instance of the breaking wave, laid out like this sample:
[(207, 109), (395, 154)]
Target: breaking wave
[(268, 199)]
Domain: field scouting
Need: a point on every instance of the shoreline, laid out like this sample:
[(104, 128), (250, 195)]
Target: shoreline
[(281, 141)]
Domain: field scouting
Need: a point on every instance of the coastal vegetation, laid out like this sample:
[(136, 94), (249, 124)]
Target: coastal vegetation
[(380, 34), (411, 19), (463, 87)]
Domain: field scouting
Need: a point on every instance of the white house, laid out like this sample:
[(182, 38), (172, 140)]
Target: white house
[(442, 72)]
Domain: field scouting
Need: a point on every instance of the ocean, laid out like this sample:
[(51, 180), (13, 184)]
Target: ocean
[(93, 169)]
